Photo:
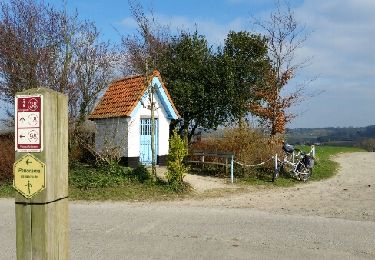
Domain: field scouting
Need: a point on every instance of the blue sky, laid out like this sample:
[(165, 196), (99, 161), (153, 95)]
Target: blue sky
[(341, 45)]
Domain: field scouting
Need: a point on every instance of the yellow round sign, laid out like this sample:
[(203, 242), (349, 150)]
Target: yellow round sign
[(29, 175)]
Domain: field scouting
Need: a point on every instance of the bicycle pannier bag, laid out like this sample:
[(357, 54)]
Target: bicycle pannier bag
[(308, 161)]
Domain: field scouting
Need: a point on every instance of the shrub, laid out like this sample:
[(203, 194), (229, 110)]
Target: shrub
[(81, 154), (85, 176), (81, 144), (176, 168), (7, 157), (368, 144), (249, 145), (141, 173)]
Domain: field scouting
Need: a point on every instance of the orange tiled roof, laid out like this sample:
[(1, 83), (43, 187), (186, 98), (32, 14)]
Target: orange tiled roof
[(122, 97)]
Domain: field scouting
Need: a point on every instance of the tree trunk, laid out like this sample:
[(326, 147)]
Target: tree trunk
[(192, 132), (186, 134), (153, 154)]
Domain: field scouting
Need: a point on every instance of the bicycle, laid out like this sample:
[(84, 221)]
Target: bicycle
[(297, 163)]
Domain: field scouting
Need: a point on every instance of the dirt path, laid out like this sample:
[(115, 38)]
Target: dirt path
[(348, 195)]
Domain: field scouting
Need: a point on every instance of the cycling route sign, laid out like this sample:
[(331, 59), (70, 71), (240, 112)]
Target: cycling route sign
[(29, 175), (28, 123)]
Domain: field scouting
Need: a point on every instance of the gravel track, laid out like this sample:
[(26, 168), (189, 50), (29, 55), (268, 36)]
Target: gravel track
[(349, 195)]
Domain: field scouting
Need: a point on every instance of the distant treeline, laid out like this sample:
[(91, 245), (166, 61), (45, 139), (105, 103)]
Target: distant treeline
[(343, 136)]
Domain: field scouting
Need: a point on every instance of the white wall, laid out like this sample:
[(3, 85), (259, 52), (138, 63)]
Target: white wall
[(163, 132), (134, 127)]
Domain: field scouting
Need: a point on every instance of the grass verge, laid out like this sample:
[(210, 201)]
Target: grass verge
[(126, 192), (6, 190), (117, 183), (112, 183)]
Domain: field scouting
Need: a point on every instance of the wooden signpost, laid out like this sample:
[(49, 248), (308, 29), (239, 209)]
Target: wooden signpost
[(41, 174)]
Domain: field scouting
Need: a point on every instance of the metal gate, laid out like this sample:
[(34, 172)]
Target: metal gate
[(145, 156)]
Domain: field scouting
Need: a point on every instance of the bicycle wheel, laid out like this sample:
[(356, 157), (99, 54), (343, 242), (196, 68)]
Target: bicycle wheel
[(304, 173)]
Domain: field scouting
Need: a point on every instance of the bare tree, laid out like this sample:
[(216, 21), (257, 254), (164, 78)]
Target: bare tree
[(30, 47), (285, 36), (144, 51), (44, 46), (94, 67)]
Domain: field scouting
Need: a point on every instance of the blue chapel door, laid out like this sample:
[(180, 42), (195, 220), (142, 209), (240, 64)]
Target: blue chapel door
[(145, 156)]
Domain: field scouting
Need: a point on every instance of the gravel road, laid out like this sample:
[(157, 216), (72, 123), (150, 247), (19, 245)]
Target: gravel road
[(332, 219), (348, 195)]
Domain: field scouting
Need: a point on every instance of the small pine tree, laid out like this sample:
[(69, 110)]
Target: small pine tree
[(176, 168)]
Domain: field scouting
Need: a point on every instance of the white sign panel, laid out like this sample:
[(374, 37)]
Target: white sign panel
[(28, 123)]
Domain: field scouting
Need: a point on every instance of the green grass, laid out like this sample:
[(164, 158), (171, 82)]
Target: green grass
[(263, 177), (324, 168), (117, 183), (127, 192), (112, 183), (6, 190)]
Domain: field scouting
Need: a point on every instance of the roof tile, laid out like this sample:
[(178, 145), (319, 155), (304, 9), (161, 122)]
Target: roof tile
[(122, 97)]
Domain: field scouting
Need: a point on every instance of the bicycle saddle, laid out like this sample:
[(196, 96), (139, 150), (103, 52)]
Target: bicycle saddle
[(288, 148)]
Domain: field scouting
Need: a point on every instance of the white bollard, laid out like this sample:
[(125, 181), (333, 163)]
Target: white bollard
[(276, 163)]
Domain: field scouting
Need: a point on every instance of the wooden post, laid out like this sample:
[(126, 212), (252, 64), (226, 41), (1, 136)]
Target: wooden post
[(202, 162), (42, 218), (226, 166)]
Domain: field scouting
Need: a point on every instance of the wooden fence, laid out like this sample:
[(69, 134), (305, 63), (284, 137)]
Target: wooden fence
[(202, 158)]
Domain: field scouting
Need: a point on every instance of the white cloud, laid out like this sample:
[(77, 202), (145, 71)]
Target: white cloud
[(342, 41), (343, 56)]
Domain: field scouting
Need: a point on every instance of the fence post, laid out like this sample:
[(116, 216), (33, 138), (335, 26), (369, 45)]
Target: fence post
[(202, 161), (232, 168), (226, 166), (276, 165), (41, 174), (313, 150)]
